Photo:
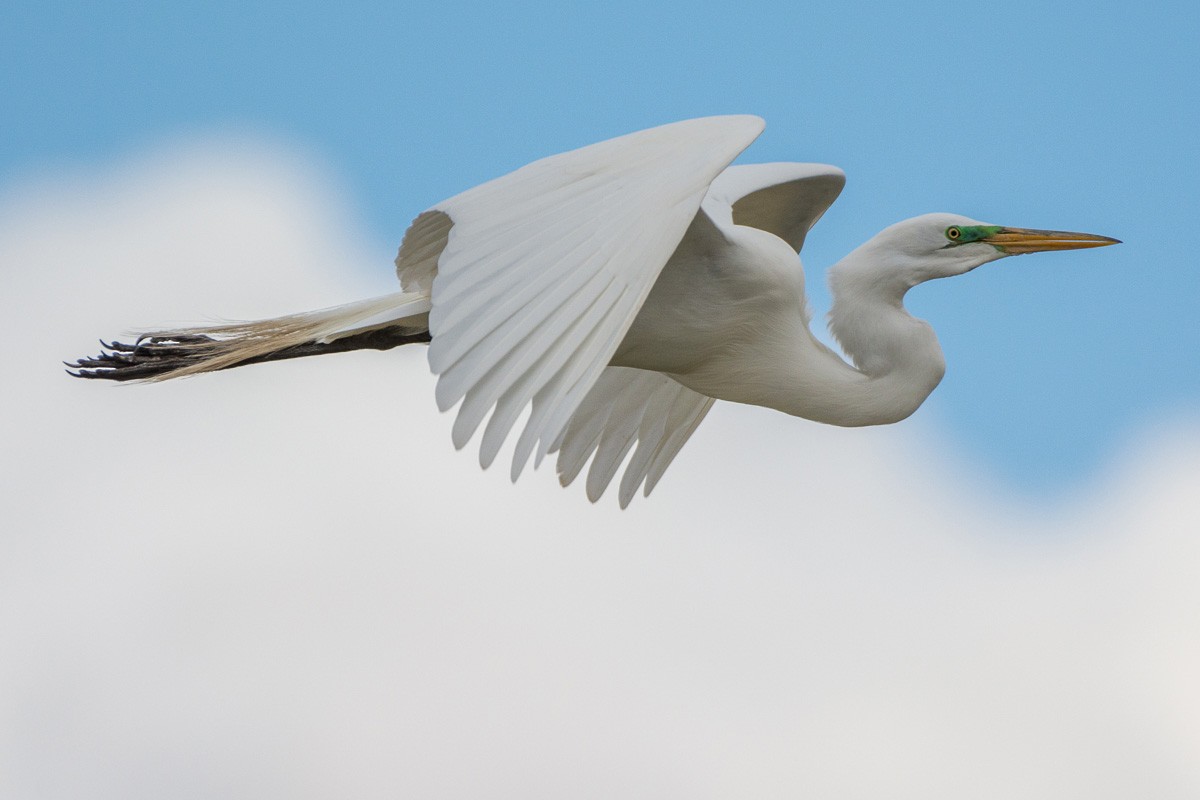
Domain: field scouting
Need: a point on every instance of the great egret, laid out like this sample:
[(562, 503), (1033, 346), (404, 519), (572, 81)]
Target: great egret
[(620, 289)]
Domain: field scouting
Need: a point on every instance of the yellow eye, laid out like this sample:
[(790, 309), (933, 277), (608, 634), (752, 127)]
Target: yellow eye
[(953, 234)]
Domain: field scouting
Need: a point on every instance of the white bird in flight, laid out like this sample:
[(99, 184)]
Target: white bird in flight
[(620, 289)]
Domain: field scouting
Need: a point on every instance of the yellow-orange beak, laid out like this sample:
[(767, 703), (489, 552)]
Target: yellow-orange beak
[(1016, 241)]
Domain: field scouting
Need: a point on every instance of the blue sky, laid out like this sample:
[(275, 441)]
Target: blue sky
[(1040, 115)]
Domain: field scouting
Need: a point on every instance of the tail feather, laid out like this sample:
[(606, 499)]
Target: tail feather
[(379, 323)]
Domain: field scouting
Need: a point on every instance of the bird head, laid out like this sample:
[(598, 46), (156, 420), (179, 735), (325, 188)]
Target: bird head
[(941, 245)]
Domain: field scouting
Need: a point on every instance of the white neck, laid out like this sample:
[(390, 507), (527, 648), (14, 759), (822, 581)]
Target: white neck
[(897, 359)]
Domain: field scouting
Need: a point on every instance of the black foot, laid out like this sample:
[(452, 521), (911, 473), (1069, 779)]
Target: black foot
[(155, 356), (148, 357)]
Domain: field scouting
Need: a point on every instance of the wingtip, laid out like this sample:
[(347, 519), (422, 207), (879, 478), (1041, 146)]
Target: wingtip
[(514, 471), (750, 124), (742, 126)]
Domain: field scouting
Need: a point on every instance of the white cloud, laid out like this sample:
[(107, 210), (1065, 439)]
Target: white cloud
[(282, 582)]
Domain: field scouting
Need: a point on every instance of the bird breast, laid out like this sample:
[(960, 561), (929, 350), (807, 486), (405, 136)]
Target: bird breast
[(721, 298)]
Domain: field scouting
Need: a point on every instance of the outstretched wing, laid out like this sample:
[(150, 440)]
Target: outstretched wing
[(626, 406), (540, 273), (785, 199)]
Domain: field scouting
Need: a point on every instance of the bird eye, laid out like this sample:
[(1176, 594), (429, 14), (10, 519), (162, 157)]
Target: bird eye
[(953, 234)]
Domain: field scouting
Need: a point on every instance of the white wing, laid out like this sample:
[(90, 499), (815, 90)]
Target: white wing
[(627, 405), (631, 405), (544, 269), (785, 199)]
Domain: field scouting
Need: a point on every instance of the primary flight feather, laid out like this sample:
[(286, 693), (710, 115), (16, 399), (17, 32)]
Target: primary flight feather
[(618, 290)]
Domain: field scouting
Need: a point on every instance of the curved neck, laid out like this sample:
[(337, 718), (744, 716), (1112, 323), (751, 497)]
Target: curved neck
[(897, 353), (897, 363), (897, 358)]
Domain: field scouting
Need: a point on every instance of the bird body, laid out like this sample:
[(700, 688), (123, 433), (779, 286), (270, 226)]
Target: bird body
[(728, 318), (618, 290)]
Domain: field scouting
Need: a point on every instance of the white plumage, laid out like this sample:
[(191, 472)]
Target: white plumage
[(617, 290)]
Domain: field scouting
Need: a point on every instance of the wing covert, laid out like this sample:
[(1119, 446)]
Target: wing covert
[(785, 199)]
